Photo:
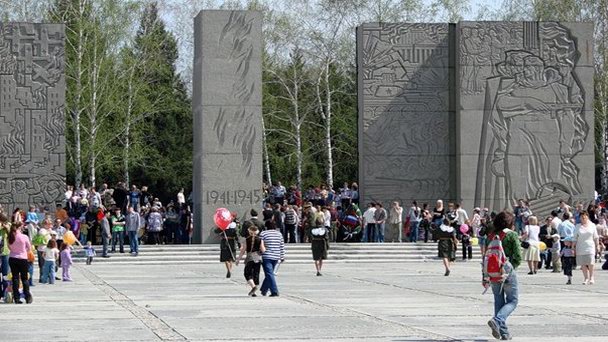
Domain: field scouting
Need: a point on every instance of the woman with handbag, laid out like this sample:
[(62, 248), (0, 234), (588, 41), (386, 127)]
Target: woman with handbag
[(530, 244), (254, 247), (319, 242), (19, 246)]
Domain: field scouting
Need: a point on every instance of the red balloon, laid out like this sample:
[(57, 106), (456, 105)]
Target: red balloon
[(222, 218)]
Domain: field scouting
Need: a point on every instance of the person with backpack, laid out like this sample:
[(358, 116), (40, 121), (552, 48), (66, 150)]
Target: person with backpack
[(502, 257)]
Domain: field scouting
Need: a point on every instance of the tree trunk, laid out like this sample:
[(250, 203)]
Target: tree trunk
[(128, 131), (328, 144), (76, 110), (266, 157)]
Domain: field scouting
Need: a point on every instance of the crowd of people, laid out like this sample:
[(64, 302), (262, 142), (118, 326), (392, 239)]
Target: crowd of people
[(111, 217)]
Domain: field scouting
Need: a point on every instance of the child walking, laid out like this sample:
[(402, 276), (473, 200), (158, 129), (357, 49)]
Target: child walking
[(66, 261), (568, 258), (50, 255), (89, 252)]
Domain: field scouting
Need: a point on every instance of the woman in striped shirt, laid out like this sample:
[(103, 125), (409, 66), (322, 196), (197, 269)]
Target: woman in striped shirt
[(275, 253)]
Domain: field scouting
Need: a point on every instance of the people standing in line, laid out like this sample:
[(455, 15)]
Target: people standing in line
[(380, 216), (415, 217), (369, 223), (106, 234), (66, 262), (275, 253), (506, 292), (118, 231), (395, 221), (19, 246), (530, 243), (228, 239), (132, 224), (254, 247), (319, 238), (585, 243), (51, 256), (446, 247)]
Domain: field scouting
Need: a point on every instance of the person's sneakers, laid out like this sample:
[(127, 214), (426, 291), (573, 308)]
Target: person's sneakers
[(447, 273), (506, 337), (495, 329), (252, 292), (29, 299)]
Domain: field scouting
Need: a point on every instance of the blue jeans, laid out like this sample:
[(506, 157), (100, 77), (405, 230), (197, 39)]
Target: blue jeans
[(414, 231), (133, 242), (368, 232), (505, 301), (120, 238), (48, 272), (380, 232), (4, 271), (270, 283)]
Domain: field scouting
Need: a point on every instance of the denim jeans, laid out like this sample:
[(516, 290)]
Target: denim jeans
[(505, 301), (4, 270), (120, 238), (414, 231), (380, 232), (104, 241), (368, 232), (48, 272), (133, 242), (270, 282)]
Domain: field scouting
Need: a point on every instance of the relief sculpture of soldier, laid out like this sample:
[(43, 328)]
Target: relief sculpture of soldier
[(535, 124)]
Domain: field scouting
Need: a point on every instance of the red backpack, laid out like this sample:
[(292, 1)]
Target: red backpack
[(496, 265)]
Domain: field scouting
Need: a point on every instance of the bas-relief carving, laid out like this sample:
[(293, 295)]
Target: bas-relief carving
[(534, 123), (32, 96), (405, 104)]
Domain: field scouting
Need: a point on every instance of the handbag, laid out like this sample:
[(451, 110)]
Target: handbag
[(525, 244), (30, 256), (251, 255)]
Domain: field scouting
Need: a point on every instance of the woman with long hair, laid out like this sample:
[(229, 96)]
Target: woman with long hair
[(19, 246)]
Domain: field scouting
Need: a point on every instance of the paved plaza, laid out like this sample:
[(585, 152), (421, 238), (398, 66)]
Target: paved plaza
[(350, 302)]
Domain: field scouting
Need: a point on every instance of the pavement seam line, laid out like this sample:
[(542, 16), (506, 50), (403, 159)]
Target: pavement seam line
[(158, 327)]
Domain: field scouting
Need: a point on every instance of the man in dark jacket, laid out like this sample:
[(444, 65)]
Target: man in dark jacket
[(255, 221)]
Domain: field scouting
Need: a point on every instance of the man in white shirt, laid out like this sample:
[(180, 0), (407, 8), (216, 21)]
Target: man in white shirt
[(181, 199), (555, 221), (369, 223)]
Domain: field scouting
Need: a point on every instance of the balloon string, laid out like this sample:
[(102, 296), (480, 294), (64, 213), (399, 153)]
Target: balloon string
[(228, 243)]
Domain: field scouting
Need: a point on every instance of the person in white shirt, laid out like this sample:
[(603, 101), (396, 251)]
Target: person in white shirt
[(395, 220), (461, 215), (555, 221), (531, 244), (369, 223), (181, 199)]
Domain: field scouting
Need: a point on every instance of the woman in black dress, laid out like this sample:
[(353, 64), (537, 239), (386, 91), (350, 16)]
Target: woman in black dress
[(228, 246), (446, 234), (254, 247), (319, 237)]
